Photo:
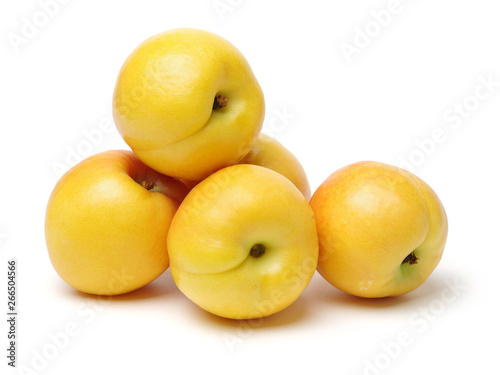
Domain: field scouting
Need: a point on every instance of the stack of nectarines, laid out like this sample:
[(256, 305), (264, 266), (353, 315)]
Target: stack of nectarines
[(225, 206)]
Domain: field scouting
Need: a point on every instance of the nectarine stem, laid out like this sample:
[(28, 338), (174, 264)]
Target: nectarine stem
[(257, 250), (220, 101), (148, 185), (410, 259)]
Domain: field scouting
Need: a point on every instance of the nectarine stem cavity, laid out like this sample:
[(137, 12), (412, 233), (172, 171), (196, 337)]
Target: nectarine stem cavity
[(257, 250), (148, 185), (220, 101), (410, 259)]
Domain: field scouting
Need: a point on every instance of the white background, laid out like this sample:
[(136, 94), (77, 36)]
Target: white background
[(418, 69)]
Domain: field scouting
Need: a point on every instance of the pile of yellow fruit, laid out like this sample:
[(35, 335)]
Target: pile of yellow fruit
[(227, 208)]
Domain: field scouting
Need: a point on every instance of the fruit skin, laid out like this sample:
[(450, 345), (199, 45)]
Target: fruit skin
[(164, 98), (217, 225), (105, 233), (269, 153), (370, 216)]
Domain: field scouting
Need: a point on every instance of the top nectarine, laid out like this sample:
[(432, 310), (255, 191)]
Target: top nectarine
[(187, 102)]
